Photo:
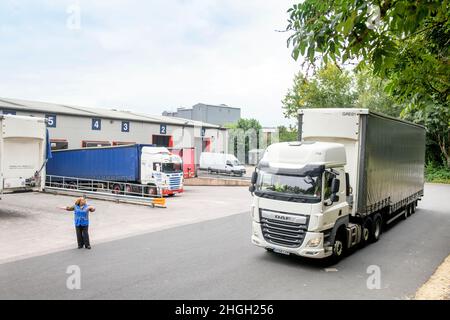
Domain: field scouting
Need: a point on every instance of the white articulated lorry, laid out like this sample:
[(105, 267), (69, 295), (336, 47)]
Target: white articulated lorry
[(351, 171), (22, 153)]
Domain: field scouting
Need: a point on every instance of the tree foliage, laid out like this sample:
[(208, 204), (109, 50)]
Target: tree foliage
[(371, 94), (247, 124), (328, 88), (404, 42), (246, 134), (335, 88), (287, 134)]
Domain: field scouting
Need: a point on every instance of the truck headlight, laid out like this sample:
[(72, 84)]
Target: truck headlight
[(314, 242)]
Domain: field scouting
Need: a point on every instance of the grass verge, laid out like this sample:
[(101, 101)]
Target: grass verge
[(437, 174)]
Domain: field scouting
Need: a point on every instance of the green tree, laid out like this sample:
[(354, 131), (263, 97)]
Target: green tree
[(405, 42), (330, 87), (371, 94), (247, 124), (286, 134), (245, 132)]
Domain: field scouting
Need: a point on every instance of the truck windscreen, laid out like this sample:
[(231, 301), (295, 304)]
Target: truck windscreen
[(171, 167), (273, 185)]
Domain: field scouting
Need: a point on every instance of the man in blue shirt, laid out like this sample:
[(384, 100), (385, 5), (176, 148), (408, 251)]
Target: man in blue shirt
[(81, 212)]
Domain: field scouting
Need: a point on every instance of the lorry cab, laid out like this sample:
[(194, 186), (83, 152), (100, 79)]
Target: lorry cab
[(163, 169), (299, 193)]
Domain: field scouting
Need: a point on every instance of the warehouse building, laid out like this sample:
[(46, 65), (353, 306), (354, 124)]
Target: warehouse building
[(215, 114), (79, 127)]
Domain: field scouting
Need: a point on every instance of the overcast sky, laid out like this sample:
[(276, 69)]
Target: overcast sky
[(148, 56)]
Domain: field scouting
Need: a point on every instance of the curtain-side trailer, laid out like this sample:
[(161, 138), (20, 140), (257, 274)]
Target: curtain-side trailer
[(351, 171), (120, 168)]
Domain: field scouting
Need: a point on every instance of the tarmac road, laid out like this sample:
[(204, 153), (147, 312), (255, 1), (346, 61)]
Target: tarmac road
[(215, 260)]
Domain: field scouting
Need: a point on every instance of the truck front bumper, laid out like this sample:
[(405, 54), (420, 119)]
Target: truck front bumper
[(167, 192), (306, 249)]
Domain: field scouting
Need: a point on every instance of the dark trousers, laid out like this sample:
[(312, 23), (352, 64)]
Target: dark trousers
[(82, 236)]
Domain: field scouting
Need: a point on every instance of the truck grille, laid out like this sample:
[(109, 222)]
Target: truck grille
[(174, 182), (284, 233)]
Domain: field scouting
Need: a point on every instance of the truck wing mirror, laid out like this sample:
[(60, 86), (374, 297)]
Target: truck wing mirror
[(254, 177), (252, 188), (335, 184), (334, 197)]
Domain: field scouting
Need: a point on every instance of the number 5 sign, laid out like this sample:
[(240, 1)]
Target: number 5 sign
[(51, 120)]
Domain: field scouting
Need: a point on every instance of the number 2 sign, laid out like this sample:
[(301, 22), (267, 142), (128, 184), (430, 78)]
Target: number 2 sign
[(163, 129)]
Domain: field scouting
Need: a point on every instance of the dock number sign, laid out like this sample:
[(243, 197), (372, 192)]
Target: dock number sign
[(163, 129), (96, 124), (125, 126), (51, 120)]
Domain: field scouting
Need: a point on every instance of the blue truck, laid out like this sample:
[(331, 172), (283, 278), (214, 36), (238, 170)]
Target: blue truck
[(128, 169)]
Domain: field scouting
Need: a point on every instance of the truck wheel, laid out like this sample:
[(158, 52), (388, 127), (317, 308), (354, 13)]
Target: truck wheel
[(339, 246), (366, 231), (128, 189), (376, 228)]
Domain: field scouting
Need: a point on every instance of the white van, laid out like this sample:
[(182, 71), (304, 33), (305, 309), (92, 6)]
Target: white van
[(221, 163)]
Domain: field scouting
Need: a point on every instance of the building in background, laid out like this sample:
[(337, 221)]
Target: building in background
[(79, 127), (214, 114), (269, 135)]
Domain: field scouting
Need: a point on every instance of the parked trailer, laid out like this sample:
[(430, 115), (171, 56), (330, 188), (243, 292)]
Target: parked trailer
[(22, 153), (120, 168), (353, 171)]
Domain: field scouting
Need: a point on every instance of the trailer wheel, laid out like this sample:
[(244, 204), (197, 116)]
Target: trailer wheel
[(376, 228), (413, 207), (117, 189), (128, 189), (407, 212), (152, 191)]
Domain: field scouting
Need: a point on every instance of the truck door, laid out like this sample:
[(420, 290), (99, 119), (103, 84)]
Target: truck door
[(21, 159), (338, 209)]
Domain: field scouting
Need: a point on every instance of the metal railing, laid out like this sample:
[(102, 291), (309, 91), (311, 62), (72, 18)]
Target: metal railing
[(109, 189)]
